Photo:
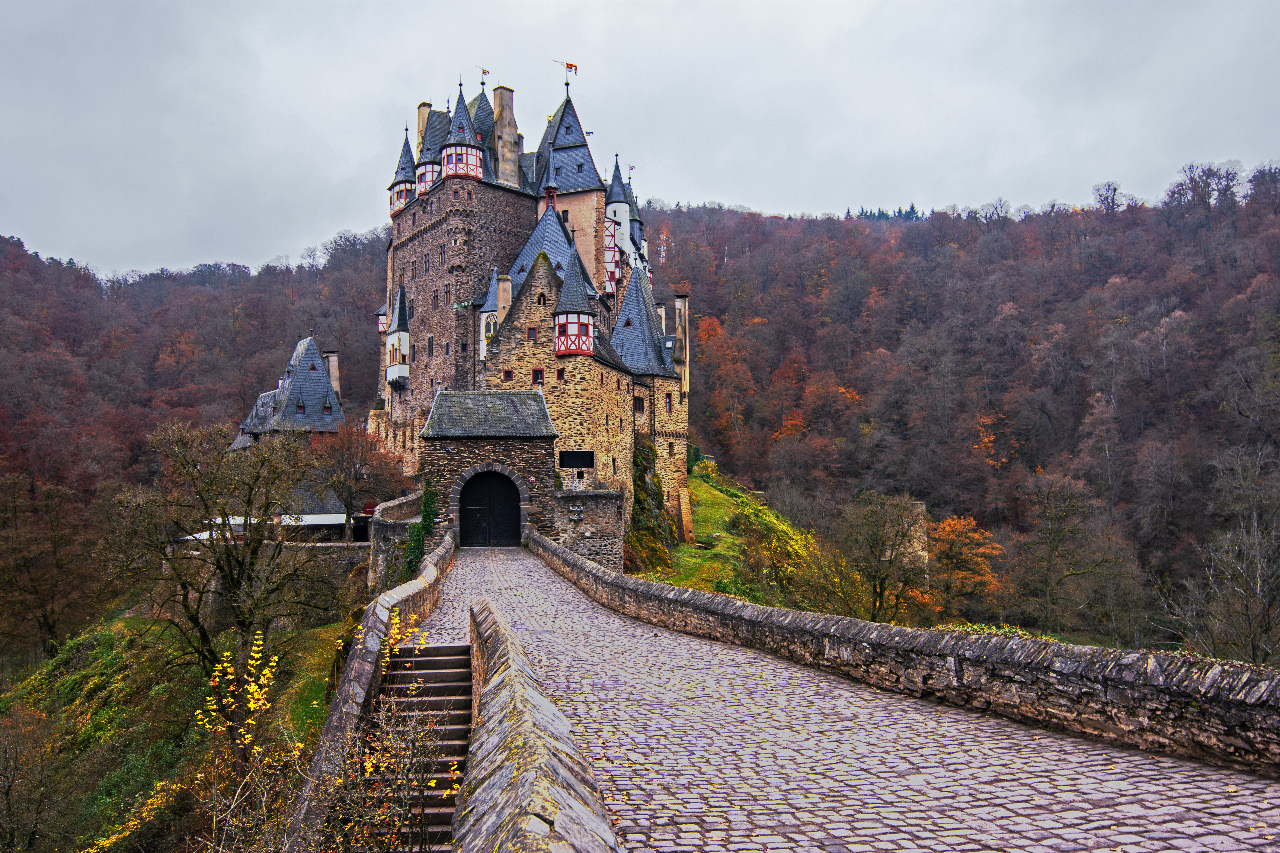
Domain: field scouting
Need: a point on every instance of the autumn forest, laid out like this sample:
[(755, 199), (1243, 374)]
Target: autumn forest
[(1089, 394)]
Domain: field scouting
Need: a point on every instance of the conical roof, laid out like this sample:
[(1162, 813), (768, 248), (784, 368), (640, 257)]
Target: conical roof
[(482, 115), (491, 298), (399, 314), (564, 155), (631, 200), (433, 137), (575, 293), (617, 189), (637, 335), (462, 130), (405, 168)]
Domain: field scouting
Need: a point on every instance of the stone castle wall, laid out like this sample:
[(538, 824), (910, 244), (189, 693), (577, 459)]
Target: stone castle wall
[(592, 524), (528, 461), (1214, 710), (590, 405), (444, 247)]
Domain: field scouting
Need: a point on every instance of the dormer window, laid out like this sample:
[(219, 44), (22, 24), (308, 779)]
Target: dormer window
[(313, 367), (579, 168), (328, 409), (627, 323), (557, 171), (301, 407)]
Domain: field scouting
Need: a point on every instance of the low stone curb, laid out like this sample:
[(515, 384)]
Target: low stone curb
[(360, 679), (527, 786), (1221, 712)]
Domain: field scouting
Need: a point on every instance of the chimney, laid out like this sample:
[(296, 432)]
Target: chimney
[(507, 139), (331, 365), (504, 296), (662, 316), (424, 110)]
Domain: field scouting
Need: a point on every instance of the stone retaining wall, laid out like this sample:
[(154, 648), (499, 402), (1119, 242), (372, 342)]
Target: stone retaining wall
[(361, 677), (1227, 713), (527, 786), (387, 532)]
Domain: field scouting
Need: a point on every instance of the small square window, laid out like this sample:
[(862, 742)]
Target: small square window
[(468, 195), (508, 375), (557, 171), (564, 329), (579, 168), (560, 377), (537, 376), (564, 216), (455, 194), (532, 333), (328, 409)]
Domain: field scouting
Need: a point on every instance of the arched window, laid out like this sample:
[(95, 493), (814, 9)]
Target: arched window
[(542, 299)]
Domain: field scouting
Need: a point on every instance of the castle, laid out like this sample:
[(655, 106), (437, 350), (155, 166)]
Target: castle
[(527, 350)]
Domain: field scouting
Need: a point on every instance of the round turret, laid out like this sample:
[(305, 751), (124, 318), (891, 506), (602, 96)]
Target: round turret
[(463, 152), (402, 185)]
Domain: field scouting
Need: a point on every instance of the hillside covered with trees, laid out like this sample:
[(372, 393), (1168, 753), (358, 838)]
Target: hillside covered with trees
[(1096, 386)]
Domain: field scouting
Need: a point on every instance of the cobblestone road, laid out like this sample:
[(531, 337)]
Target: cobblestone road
[(703, 746)]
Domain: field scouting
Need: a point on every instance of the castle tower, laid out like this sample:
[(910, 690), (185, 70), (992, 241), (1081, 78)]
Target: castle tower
[(617, 230), (463, 151), (433, 129), (401, 188), (564, 157)]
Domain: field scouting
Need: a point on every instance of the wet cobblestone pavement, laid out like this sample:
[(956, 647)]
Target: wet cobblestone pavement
[(703, 746)]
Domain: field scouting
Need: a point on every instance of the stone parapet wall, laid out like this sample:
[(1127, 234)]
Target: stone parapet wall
[(527, 786), (360, 680), (1222, 712)]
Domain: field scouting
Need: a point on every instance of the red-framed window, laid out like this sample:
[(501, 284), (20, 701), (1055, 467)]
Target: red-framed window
[(639, 405), (560, 374), (508, 375), (668, 404), (537, 376)]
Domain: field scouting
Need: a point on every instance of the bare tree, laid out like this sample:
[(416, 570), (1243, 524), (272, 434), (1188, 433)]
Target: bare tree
[(205, 546), (1234, 610), (354, 465)]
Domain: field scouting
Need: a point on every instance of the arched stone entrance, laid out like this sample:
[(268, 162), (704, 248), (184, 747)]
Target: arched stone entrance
[(489, 511)]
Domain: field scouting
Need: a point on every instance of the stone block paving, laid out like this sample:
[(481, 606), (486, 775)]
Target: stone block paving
[(703, 746)]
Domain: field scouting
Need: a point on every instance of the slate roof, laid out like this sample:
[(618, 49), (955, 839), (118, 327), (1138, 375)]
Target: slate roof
[(575, 293), (564, 145), (631, 200), (617, 189), (462, 130), (604, 353), (637, 335), (399, 314), (305, 380), (491, 298), (577, 169), (433, 137), (405, 168), (549, 236), (489, 414), (482, 115)]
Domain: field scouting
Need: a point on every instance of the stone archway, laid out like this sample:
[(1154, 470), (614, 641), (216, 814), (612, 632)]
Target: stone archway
[(490, 506)]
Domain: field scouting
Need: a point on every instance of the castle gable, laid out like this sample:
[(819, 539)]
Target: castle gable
[(304, 401)]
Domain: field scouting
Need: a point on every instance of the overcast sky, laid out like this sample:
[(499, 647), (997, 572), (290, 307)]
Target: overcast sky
[(137, 135)]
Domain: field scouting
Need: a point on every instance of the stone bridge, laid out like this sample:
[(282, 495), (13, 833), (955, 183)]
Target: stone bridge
[(698, 745)]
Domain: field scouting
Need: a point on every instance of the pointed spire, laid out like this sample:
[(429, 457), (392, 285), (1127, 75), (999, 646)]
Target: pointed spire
[(617, 191), (575, 293), (405, 168), (400, 314), (491, 298), (462, 130)]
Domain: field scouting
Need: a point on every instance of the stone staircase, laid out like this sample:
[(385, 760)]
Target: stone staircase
[(429, 688)]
